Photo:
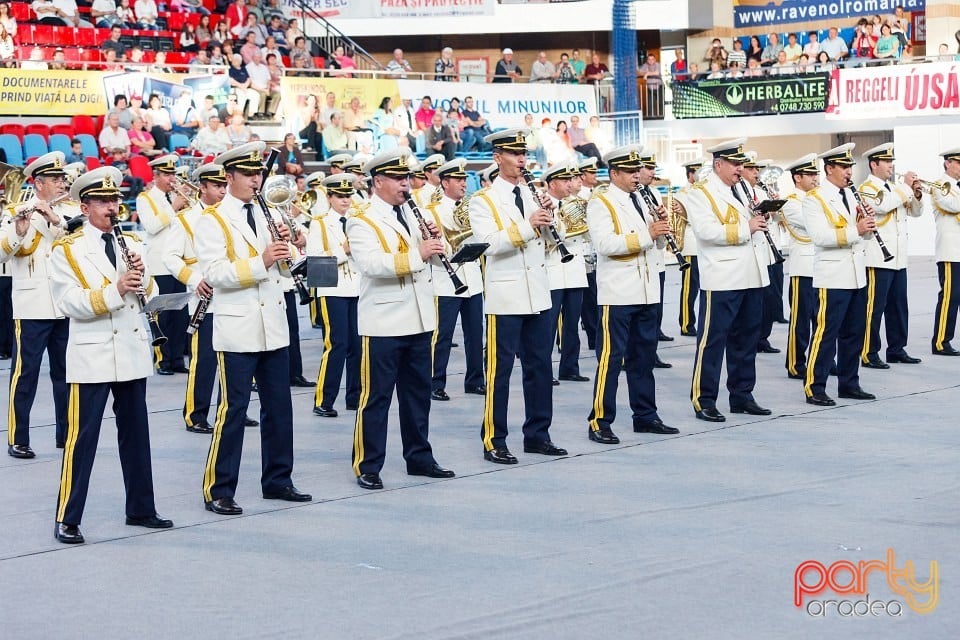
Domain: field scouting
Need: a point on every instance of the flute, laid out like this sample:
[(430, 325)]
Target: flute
[(458, 284)]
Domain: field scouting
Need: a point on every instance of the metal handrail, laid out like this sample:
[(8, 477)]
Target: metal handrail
[(334, 37)]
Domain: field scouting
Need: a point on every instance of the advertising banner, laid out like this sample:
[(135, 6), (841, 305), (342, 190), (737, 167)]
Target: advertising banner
[(747, 13), (895, 91), (393, 8), (51, 93), (805, 93)]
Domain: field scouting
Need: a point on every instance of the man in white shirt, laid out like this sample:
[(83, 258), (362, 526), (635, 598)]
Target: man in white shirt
[(834, 45), (211, 139), (404, 119), (146, 12), (542, 70), (260, 82), (113, 135)]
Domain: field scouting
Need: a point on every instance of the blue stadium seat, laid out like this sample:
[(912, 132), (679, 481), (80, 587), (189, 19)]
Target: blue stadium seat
[(178, 141), (60, 142), (89, 145), (34, 145), (12, 149), (473, 181)]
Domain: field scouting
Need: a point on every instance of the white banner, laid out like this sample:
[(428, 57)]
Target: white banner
[(396, 8), (505, 105), (894, 91)]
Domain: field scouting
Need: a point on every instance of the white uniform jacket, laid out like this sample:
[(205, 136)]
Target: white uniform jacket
[(515, 274), (180, 253), (800, 254), (326, 237), (109, 338), (626, 254), (572, 274), (891, 216), (396, 290), (156, 215), (946, 210), (838, 259), (28, 256), (468, 272), (249, 311), (730, 258)]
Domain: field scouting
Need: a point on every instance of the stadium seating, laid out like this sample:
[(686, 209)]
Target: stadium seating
[(10, 144), (140, 167), (34, 145), (39, 129), (89, 145), (62, 129), (60, 142), (83, 124), (178, 141)]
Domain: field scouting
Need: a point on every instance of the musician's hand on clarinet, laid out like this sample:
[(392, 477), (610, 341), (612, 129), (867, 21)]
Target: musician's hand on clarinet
[(299, 240), (541, 218), (866, 224), (432, 228), (757, 223), (275, 252), (661, 212), (284, 231), (136, 262), (659, 228), (430, 248), (130, 282), (204, 290)]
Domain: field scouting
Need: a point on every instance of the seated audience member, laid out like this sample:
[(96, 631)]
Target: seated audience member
[(113, 136), (278, 33), (888, 45), (184, 115), (716, 53), (146, 12), (771, 51), (565, 72), (542, 70), (104, 13), (201, 59), (333, 135), (259, 75), (208, 109), (738, 55), (404, 119), (782, 67), (716, 73), (383, 121), (812, 48), (598, 136), (76, 152), (475, 127), (452, 121), (424, 115), (835, 46), (159, 63), (252, 26), (204, 33), (754, 70), (8, 49), (271, 49), (128, 19), (188, 39), (158, 119), (113, 41), (293, 31), (579, 142), (121, 160), (302, 54), (276, 76), (250, 46), (358, 131), (211, 139), (238, 132), (247, 97), (507, 69), (793, 49), (865, 42), (141, 142), (440, 138), (398, 65), (290, 160), (595, 71), (444, 69)]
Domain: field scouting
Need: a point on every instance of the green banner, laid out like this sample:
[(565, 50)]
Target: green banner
[(767, 95)]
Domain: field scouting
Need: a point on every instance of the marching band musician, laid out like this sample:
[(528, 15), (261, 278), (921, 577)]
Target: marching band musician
[(629, 295), (588, 311), (837, 227), (468, 305), (314, 181), (567, 279), (803, 299), (733, 259), (240, 259), (887, 281), (648, 169), (25, 243), (6, 310), (108, 353), (487, 175), (946, 210), (337, 161), (337, 306), (690, 278), (517, 300), (156, 210), (773, 292), (298, 242), (354, 168), (396, 319), (424, 182)]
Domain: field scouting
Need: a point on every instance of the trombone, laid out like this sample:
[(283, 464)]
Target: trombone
[(929, 185)]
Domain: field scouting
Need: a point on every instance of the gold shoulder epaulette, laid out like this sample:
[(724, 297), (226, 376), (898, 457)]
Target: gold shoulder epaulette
[(599, 190), (212, 208), (358, 208), (69, 238), (813, 191), (132, 236), (793, 196), (698, 184), (481, 190)]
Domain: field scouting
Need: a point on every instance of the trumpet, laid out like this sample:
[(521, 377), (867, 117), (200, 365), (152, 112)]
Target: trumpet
[(929, 185), (186, 190), (682, 262), (565, 255), (887, 256), (876, 196)]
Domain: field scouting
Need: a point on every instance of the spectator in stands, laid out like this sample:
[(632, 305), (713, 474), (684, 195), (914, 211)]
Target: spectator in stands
[(398, 65), (384, 121), (695, 71), (475, 127), (793, 49), (507, 70), (76, 151), (755, 52), (113, 41), (237, 130), (259, 75), (247, 97), (678, 68), (440, 138), (290, 160), (188, 38), (345, 61), (653, 81), (557, 142), (328, 108), (900, 27), (255, 10), (249, 47), (812, 48), (598, 136), (201, 59), (211, 139), (127, 17), (334, 136), (158, 119), (110, 61), (754, 70), (8, 50), (358, 130), (36, 61), (716, 53), (135, 59), (738, 55), (595, 71), (7, 20), (834, 45), (256, 28), (104, 13), (734, 70), (300, 52), (159, 63), (771, 51), (222, 33), (208, 109), (578, 65), (865, 43), (888, 45), (141, 142), (59, 60), (184, 115), (216, 55), (542, 70), (113, 137), (823, 62), (276, 75), (146, 12), (565, 72), (120, 159), (444, 69), (803, 64), (782, 66), (236, 17), (293, 31), (424, 115), (453, 121), (121, 107), (227, 49), (271, 48), (716, 73), (204, 33), (579, 142), (534, 141), (278, 32), (404, 119)]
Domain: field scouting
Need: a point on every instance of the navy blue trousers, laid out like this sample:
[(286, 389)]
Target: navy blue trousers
[(567, 304), (341, 348), (531, 338), (886, 299), (627, 339), (470, 311), (948, 301), (729, 323), (87, 402), (589, 313), (689, 291), (6, 315), (388, 363), (772, 301), (202, 376), (31, 339), (803, 310), (293, 324), (838, 331), (272, 370), (173, 324)]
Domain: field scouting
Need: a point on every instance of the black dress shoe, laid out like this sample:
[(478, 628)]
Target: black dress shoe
[(500, 456), (479, 390), (946, 351), (433, 471), (164, 372), (750, 407), (662, 337), (874, 362), (710, 414), (654, 426), (439, 395), (180, 369), (767, 348), (370, 481), (325, 412), (300, 381), (689, 334), (903, 358), (250, 422), (201, 427), (801, 374), (68, 533), (660, 364), (857, 394), (290, 494), (224, 507), (22, 451), (821, 400), (544, 448), (60, 445), (556, 382), (150, 522), (352, 407), (603, 436), (4, 356), (576, 378)]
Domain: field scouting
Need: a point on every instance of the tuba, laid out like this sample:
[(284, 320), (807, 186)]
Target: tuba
[(573, 213), (12, 179), (461, 221)]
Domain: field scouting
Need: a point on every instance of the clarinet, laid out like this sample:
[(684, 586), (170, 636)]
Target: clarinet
[(682, 263), (458, 285), (198, 315), (887, 256), (565, 255), (777, 256), (155, 332), (286, 265)]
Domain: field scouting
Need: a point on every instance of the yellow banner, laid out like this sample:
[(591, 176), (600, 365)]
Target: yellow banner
[(51, 93), (301, 93)]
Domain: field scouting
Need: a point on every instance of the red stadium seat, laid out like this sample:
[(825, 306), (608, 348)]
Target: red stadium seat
[(91, 58), (175, 21), (13, 128), (43, 34), (92, 163), (25, 33), (42, 129), (20, 11), (87, 38), (62, 129), (140, 167), (84, 124)]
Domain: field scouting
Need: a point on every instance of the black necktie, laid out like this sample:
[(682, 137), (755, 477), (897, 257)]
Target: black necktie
[(399, 211), (108, 248), (518, 198), (636, 203), (250, 220), (409, 119), (886, 186), (843, 196), (168, 197), (343, 223), (735, 194)]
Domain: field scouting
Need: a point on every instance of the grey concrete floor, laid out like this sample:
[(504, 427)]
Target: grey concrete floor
[(691, 536)]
